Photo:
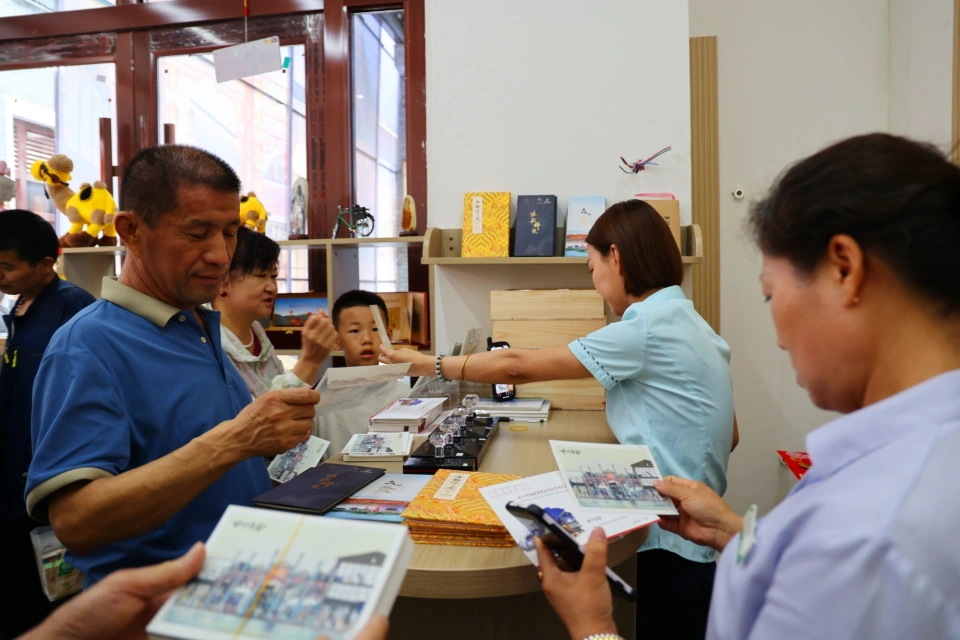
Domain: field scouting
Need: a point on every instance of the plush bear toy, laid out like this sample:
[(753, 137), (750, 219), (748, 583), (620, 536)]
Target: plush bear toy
[(253, 215), (90, 211)]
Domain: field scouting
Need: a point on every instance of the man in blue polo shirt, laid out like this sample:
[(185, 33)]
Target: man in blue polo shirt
[(143, 430), (28, 252)]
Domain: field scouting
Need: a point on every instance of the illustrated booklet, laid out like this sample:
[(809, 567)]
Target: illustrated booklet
[(287, 576), (382, 500), (378, 446), (305, 455), (549, 492), (611, 476)]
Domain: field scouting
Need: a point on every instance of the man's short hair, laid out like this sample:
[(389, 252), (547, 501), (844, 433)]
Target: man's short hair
[(357, 298), (153, 178), (32, 237)]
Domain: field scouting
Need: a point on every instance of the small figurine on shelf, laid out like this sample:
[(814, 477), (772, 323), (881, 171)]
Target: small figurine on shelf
[(90, 210), (7, 186), (298, 210), (253, 215), (408, 220), (357, 219)]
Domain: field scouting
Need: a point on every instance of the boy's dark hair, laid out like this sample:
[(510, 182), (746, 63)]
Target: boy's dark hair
[(32, 237), (899, 199), (649, 255), (357, 298), (255, 252), (154, 176)]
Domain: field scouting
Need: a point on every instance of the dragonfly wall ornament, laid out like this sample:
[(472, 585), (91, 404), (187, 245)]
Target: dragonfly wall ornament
[(640, 165)]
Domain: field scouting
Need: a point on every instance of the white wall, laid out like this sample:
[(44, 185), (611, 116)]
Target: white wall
[(921, 73), (794, 76), (537, 97)]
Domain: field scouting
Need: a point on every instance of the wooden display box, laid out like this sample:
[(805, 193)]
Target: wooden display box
[(537, 319)]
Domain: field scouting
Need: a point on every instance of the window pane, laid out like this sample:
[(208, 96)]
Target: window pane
[(54, 110), (10, 8), (366, 71), (379, 118), (256, 124)]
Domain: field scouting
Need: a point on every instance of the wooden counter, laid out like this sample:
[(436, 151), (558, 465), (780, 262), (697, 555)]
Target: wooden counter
[(502, 580)]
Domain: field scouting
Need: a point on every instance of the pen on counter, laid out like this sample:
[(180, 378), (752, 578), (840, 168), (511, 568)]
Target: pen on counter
[(522, 420)]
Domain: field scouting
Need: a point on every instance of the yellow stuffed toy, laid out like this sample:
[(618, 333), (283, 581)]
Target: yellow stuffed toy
[(253, 215), (90, 211)]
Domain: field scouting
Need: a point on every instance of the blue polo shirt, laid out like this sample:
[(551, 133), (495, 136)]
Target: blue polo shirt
[(129, 380), (667, 376), (28, 337)]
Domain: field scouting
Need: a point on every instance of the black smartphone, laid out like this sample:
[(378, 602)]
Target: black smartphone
[(562, 544), (501, 392)]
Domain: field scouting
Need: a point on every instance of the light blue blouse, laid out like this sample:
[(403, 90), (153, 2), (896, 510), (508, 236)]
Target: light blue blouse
[(865, 546), (667, 376)]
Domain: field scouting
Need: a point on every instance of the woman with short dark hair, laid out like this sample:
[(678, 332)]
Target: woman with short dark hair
[(667, 376)]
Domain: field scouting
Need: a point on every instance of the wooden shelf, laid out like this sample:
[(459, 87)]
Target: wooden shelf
[(286, 244), (93, 250), (519, 261), (443, 247), (350, 242)]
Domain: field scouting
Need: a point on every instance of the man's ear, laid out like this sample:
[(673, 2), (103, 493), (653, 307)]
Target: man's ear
[(129, 228), (47, 264)]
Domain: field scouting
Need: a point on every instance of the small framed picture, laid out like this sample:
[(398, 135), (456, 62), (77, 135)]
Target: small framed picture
[(292, 310)]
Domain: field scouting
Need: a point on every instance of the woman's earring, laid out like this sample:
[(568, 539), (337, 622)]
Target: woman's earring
[(223, 294)]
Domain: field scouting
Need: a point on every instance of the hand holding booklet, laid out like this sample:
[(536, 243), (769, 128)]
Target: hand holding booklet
[(287, 576), (549, 492)]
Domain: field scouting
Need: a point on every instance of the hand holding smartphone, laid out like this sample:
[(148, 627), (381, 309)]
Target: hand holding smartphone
[(501, 392), (562, 545)]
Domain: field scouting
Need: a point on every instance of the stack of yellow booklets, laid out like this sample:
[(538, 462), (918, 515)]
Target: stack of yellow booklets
[(450, 510), (486, 225)]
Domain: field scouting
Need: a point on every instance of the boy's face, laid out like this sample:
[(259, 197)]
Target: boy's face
[(358, 337), (18, 276)]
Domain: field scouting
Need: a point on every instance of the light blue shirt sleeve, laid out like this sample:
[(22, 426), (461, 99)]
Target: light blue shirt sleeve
[(79, 427), (858, 588), (615, 352)]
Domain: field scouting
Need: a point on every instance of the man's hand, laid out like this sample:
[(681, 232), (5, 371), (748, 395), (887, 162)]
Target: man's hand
[(318, 338), (420, 363), (272, 424), (582, 599), (704, 517), (376, 629), (120, 605)]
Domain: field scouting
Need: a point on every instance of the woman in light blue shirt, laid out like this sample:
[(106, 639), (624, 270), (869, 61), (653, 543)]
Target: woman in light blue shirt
[(861, 270), (667, 377)]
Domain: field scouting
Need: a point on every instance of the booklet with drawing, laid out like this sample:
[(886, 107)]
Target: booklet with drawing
[(378, 446), (346, 387), (305, 455), (549, 492), (270, 574), (382, 500), (611, 476)]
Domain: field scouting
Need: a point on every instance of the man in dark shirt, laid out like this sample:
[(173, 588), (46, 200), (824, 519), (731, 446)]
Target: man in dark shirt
[(28, 251)]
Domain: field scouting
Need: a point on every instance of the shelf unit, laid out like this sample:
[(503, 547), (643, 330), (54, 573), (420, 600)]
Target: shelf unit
[(443, 247), (87, 266)]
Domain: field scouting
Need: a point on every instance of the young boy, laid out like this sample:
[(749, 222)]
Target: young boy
[(358, 338), (28, 251)]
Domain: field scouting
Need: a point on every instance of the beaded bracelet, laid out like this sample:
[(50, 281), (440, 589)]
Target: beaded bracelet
[(440, 375)]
